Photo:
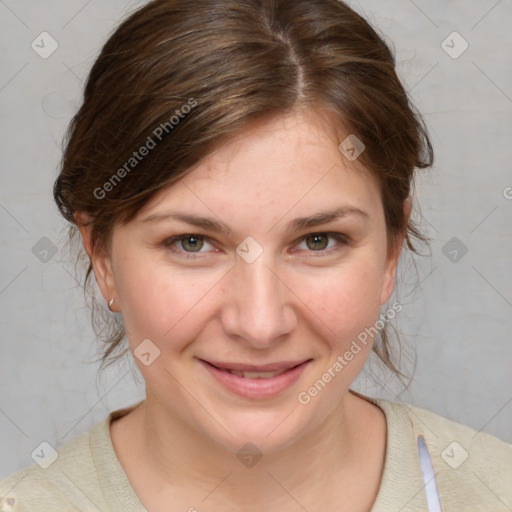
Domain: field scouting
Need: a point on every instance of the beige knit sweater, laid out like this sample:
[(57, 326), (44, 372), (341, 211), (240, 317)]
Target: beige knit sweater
[(473, 471)]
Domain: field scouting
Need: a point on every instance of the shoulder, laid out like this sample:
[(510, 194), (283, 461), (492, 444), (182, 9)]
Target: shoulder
[(57, 481), (473, 469), (83, 474)]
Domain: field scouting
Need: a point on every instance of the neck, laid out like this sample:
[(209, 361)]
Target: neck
[(340, 457)]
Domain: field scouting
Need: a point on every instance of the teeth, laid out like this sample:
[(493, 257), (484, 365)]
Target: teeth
[(255, 375)]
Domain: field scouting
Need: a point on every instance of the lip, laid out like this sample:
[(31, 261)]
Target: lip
[(270, 367), (256, 388)]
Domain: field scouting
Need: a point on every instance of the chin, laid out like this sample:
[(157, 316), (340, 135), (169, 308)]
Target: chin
[(264, 431)]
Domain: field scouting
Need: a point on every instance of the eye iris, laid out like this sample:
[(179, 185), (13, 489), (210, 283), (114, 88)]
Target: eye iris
[(319, 242), (192, 243)]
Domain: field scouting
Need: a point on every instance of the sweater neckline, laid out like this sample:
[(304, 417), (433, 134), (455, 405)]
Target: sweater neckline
[(402, 476), (117, 490), (401, 473)]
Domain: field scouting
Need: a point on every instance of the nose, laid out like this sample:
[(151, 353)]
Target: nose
[(258, 305)]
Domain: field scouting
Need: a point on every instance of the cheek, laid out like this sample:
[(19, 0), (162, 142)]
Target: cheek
[(342, 307), (159, 302), (345, 300), (345, 307), (164, 304)]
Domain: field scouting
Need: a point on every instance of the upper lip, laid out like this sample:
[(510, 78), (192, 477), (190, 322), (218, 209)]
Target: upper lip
[(269, 367)]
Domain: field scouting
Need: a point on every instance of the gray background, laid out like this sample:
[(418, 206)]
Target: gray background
[(456, 321)]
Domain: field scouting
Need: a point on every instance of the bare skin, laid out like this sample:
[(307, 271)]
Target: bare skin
[(337, 472), (307, 296)]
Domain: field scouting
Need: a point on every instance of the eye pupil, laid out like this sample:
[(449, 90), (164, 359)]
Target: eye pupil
[(194, 243), (320, 241)]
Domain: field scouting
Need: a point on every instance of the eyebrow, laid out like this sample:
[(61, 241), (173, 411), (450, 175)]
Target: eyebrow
[(211, 224)]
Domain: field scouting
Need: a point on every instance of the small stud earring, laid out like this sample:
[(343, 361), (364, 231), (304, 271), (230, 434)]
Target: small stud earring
[(110, 302)]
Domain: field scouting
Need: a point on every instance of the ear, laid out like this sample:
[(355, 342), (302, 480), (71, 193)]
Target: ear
[(394, 255), (99, 257)]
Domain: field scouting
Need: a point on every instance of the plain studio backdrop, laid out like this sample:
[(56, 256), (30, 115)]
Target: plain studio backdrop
[(455, 325)]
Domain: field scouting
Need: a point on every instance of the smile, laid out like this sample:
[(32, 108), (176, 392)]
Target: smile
[(256, 382), (254, 375)]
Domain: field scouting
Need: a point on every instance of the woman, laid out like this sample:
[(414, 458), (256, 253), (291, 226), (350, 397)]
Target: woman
[(240, 176)]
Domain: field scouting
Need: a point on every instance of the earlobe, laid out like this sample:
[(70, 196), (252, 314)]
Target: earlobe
[(102, 266), (100, 260)]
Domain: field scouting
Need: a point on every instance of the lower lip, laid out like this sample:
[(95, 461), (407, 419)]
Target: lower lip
[(256, 388)]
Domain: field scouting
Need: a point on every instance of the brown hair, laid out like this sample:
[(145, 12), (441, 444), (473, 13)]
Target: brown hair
[(186, 75)]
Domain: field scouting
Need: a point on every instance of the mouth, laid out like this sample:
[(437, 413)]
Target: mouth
[(251, 381)]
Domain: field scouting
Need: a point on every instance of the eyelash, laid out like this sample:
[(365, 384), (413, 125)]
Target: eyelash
[(168, 243)]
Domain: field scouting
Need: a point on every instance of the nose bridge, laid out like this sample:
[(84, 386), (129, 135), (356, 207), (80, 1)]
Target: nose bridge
[(258, 306)]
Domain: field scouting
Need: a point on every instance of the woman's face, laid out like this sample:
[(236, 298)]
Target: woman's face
[(235, 267)]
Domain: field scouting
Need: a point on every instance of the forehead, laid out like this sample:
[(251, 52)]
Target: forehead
[(291, 161)]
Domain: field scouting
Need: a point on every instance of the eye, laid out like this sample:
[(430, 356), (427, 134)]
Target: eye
[(184, 244), (190, 245), (320, 242)]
